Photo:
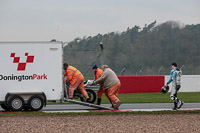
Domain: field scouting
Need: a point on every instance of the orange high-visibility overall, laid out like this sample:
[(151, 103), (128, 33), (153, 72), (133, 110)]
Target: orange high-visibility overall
[(97, 75), (76, 79), (112, 94)]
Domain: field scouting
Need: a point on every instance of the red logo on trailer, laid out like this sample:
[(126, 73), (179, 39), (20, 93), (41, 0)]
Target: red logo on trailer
[(22, 65)]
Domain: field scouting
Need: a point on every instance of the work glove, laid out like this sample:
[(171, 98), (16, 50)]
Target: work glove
[(94, 82)]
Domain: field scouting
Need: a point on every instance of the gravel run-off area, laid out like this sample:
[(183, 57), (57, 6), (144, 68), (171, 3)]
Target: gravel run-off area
[(120, 123)]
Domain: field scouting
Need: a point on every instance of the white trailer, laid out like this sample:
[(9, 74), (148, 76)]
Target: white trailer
[(31, 74)]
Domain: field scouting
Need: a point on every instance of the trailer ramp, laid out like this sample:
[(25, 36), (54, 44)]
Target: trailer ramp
[(88, 104)]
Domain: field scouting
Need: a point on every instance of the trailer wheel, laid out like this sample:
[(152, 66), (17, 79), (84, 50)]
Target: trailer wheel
[(36, 103), (5, 107), (91, 94), (16, 103)]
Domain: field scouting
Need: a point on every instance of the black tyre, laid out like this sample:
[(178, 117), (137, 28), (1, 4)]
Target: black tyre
[(91, 94), (16, 103), (35, 103), (5, 107)]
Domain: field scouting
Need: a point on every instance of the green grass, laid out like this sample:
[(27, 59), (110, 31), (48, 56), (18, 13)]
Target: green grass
[(188, 97)]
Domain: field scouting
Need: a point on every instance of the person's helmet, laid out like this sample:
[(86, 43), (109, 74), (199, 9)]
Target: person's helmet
[(164, 89)]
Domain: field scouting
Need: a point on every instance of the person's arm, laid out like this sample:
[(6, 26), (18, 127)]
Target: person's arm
[(102, 78), (170, 79)]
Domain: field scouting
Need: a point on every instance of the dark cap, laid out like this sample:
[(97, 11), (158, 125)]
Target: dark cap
[(94, 67)]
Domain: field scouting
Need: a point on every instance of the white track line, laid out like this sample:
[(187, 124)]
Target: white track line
[(123, 110), (71, 111), (149, 109)]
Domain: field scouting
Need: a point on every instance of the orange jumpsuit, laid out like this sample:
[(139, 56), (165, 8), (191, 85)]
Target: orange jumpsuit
[(76, 79), (97, 75), (112, 92)]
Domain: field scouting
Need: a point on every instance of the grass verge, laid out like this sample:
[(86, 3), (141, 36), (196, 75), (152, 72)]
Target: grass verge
[(188, 97)]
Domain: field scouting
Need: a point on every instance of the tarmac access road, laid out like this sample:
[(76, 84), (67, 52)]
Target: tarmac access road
[(131, 106)]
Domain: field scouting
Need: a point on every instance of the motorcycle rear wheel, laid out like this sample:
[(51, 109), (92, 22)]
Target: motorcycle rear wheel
[(92, 96)]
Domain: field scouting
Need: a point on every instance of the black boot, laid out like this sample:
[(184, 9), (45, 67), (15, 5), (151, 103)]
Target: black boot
[(175, 106), (87, 100), (180, 104), (111, 103), (98, 101)]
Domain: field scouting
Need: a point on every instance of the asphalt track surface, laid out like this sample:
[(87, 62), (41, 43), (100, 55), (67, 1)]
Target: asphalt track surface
[(132, 106), (135, 106)]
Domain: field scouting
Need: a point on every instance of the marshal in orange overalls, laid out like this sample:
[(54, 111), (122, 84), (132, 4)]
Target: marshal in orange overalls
[(98, 74), (76, 79)]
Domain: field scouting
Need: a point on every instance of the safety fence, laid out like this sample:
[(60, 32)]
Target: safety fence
[(152, 84), (141, 84)]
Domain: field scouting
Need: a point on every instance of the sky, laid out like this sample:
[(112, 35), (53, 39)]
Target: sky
[(65, 20)]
